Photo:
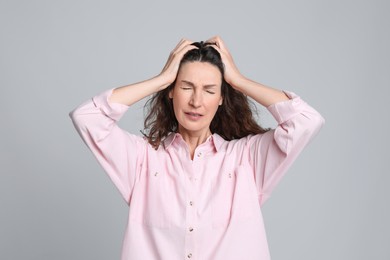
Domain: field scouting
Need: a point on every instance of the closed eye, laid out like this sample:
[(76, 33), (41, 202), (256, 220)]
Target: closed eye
[(188, 85), (210, 89)]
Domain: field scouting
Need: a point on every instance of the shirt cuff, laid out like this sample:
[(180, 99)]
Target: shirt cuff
[(110, 109), (285, 110)]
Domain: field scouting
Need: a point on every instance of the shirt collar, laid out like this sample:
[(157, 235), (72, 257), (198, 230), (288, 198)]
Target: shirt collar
[(215, 139), (169, 140)]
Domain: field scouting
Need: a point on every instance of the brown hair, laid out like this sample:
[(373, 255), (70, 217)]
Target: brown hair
[(233, 119)]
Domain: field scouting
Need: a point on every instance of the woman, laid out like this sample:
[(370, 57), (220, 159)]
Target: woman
[(196, 181)]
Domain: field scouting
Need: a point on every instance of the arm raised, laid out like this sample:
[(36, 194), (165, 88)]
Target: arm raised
[(264, 95), (132, 93)]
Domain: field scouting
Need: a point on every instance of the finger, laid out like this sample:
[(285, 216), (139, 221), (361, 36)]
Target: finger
[(180, 53), (185, 45), (215, 39), (219, 43), (216, 48), (183, 42), (176, 56), (180, 45), (212, 41)]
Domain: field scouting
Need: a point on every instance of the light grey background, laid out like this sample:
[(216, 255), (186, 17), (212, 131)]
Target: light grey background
[(57, 203)]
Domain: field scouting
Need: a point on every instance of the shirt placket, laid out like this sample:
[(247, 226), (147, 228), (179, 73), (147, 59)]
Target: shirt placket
[(191, 207)]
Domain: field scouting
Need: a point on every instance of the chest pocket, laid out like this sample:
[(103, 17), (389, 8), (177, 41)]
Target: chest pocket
[(150, 202), (235, 197)]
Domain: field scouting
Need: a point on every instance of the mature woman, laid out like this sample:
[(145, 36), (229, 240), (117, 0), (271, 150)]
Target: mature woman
[(196, 181)]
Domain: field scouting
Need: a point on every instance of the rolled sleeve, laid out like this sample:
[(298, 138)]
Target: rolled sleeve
[(116, 150), (272, 153), (110, 109), (285, 110)]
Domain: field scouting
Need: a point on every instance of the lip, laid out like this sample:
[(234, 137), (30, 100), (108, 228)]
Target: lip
[(193, 115)]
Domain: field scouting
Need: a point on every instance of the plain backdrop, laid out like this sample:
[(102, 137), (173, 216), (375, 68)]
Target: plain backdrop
[(57, 203)]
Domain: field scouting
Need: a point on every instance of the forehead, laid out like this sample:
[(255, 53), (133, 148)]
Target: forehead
[(200, 72)]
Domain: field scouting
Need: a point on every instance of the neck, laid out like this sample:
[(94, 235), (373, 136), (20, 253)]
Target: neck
[(194, 139)]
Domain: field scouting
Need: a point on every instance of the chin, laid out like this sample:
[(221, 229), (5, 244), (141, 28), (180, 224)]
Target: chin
[(192, 128)]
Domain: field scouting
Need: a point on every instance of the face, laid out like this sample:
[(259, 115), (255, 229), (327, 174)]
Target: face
[(196, 96)]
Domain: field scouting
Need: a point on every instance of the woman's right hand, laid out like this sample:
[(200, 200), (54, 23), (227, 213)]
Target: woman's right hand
[(132, 93), (170, 70)]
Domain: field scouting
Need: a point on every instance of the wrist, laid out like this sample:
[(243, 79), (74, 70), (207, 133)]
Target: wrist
[(239, 82), (163, 81)]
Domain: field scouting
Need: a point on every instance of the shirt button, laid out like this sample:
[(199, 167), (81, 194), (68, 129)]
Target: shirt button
[(191, 203), (189, 255), (191, 229), (199, 154)]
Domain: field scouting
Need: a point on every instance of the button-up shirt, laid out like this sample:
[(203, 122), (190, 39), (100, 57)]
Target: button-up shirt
[(205, 208)]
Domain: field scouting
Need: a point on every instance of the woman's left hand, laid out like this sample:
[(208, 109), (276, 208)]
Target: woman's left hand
[(232, 74), (264, 95)]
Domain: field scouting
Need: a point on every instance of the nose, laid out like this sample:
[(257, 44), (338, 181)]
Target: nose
[(196, 99)]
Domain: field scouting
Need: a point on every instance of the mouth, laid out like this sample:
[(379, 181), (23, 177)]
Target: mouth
[(193, 115)]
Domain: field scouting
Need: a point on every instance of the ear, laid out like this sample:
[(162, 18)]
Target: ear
[(170, 94), (220, 101)]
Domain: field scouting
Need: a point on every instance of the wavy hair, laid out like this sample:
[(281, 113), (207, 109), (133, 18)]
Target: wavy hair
[(233, 119)]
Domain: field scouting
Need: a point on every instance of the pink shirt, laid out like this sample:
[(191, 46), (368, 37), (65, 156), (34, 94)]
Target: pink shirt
[(208, 208)]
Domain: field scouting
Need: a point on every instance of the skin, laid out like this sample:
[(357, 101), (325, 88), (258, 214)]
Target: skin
[(196, 97), (194, 136)]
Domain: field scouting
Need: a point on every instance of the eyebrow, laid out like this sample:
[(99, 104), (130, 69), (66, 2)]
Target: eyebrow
[(193, 85)]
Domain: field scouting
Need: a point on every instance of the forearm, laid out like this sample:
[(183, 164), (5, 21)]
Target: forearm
[(264, 95), (132, 93)]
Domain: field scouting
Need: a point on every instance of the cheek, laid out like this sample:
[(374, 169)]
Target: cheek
[(178, 105), (217, 100), (214, 104), (177, 101)]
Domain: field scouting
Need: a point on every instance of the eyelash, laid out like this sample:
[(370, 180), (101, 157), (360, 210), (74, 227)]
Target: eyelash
[(188, 88)]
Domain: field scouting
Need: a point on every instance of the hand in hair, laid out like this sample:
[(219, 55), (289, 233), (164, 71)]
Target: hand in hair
[(232, 74), (264, 95), (169, 72), (132, 93)]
